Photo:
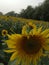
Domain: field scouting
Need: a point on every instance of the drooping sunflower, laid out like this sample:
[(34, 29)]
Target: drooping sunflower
[(31, 25), (28, 48), (4, 32), (26, 28)]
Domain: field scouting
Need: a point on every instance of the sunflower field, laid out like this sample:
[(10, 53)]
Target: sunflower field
[(19, 28)]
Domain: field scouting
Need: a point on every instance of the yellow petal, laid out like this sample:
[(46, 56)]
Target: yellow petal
[(11, 44), (14, 55), (33, 31), (35, 62), (45, 32), (47, 41), (47, 35), (24, 32), (39, 30), (46, 47), (18, 61), (9, 51), (14, 36)]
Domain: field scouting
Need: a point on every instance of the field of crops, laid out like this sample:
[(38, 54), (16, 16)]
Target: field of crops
[(12, 25)]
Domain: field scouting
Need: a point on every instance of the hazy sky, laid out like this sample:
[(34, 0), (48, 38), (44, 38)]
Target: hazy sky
[(17, 5)]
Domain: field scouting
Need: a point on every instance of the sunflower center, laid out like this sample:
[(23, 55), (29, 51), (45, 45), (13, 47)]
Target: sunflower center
[(32, 45), (4, 32)]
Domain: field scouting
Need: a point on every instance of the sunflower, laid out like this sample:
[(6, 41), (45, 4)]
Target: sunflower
[(4, 32), (29, 26), (28, 48)]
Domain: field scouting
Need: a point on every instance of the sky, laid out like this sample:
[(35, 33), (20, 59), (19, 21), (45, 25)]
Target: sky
[(17, 5)]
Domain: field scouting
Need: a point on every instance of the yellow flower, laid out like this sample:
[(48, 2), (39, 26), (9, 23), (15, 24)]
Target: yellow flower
[(28, 48), (4, 32), (28, 25)]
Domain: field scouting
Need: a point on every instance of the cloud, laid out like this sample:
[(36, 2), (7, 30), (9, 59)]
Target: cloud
[(16, 5)]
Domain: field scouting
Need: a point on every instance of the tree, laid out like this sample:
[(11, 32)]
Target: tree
[(1, 13), (11, 13), (27, 13), (45, 10)]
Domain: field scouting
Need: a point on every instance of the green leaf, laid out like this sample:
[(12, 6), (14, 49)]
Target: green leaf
[(1, 64), (12, 62)]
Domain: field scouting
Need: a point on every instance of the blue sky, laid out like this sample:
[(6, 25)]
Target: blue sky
[(17, 5)]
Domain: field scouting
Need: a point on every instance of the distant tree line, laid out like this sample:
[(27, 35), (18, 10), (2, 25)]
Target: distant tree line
[(40, 12)]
